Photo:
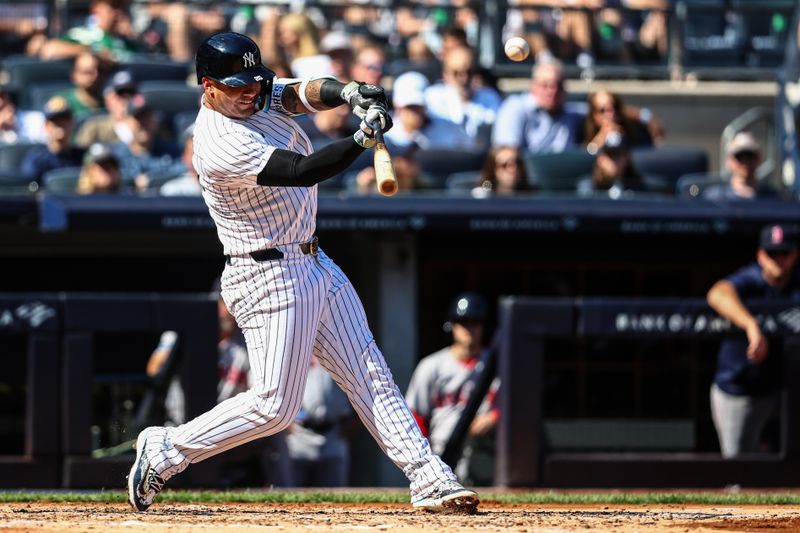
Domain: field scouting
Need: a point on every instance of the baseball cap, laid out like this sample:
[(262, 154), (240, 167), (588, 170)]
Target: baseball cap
[(56, 107), (99, 153), (121, 81), (744, 141), (409, 89), (335, 40), (777, 238)]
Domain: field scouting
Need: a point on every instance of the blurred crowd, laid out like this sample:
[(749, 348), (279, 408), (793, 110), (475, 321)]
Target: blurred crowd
[(105, 104)]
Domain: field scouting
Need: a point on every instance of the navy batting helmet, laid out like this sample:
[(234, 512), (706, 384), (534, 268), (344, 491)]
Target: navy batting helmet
[(465, 306), (232, 59)]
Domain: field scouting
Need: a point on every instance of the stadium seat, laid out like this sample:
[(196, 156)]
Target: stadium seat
[(462, 182), (61, 179), (558, 171), (40, 93), (693, 185), (183, 120), (156, 70), (23, 72), (11, 156), (169, 98), (670, 162), (439, 163)]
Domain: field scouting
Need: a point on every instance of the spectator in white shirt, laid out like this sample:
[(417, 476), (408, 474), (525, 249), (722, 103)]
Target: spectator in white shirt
[(455, 99), (412, 122)]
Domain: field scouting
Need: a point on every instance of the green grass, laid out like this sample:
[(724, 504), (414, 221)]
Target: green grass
[(395, 496)]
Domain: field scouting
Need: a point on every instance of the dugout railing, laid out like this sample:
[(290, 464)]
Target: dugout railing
[(525, 327)]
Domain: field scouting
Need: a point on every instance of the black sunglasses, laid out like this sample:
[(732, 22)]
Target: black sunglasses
[(745, 156), (774, 254)]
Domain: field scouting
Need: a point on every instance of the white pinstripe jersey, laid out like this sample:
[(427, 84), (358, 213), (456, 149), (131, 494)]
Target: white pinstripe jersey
[(228, 154)]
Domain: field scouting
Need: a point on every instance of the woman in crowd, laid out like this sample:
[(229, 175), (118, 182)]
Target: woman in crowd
[(503, 173), (298, 38), (608, 114)]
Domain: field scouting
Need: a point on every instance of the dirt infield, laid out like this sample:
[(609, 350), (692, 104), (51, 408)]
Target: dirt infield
[(317, 517)]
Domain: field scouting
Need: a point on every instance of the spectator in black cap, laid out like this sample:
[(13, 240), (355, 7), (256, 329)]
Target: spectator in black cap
[(747, 381), (614, 173), (58, 152), (100, 173), (443, 382), (111, 126)]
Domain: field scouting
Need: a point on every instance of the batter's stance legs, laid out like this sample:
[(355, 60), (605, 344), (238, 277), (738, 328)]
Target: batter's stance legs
[(345, 347)]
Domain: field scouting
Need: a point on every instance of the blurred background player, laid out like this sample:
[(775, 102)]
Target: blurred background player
[(319, 439), (747, 381), (443, 382)]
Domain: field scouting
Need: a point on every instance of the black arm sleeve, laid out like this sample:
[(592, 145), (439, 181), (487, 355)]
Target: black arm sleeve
[(290, 169), (330, 93)]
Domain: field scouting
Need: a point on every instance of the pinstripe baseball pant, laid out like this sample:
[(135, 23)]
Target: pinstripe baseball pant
[(287, 310)]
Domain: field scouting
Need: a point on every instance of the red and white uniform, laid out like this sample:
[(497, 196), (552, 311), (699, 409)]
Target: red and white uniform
[(439, 391)]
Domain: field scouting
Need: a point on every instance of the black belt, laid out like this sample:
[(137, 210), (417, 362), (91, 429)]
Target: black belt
[(319, 427), (272, 254)]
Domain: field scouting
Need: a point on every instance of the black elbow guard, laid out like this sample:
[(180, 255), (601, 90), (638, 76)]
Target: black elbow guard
[(330, 93)]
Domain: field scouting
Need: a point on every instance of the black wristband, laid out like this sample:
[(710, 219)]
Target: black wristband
[(290, 169), (330, 93)]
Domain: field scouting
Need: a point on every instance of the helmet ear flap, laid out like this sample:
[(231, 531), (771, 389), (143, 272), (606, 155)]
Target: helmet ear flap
[(265, 95)]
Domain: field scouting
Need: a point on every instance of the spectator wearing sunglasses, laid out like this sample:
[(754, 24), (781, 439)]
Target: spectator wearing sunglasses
[(747, 381), (744, 155), (607, 114)]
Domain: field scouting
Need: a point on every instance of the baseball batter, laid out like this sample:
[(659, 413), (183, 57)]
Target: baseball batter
[(259, 178)]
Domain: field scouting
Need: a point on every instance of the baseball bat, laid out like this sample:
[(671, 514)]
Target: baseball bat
[(384, 171)]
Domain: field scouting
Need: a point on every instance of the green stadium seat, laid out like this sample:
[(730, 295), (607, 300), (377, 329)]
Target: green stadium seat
[(61, 179), (558, 171)]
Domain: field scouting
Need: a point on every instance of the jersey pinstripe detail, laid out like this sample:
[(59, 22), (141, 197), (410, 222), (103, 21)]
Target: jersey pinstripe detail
[(229, 154)]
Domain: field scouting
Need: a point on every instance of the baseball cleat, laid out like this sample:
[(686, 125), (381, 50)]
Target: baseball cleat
[(144, 483), (450, 497)]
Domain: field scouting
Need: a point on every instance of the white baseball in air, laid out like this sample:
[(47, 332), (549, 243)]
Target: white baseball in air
[(517, 49)]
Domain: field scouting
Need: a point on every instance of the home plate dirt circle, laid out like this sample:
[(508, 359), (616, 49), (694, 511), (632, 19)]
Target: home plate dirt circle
[(253, 517)]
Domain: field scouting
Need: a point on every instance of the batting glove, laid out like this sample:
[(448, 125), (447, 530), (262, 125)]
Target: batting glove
[(376, 117), (362, 95)]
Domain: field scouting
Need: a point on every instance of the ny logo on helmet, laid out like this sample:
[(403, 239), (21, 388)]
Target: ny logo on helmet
[(249, 60)]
